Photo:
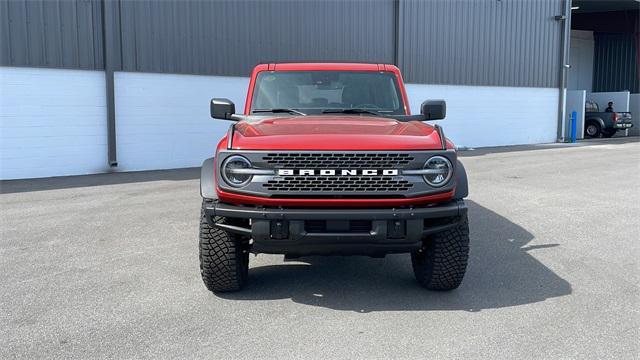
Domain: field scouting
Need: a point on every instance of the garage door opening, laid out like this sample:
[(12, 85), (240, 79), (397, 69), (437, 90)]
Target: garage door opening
[(604, 48)]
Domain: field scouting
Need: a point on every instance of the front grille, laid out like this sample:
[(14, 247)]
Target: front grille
[(337, 160), (337, 184), (335, 174)]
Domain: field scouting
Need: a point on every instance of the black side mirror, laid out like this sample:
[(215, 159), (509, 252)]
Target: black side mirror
[(222, 109), (434, 109)]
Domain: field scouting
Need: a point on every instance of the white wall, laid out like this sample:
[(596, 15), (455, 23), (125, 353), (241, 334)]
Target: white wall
[(634, 108), (575, 102), (580, 75), (52, 122), (163, 120), (620, 100), (492, 116)]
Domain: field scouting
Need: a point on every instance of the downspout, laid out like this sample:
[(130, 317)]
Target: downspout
[(110, 19), (564, 69), (396, 35)]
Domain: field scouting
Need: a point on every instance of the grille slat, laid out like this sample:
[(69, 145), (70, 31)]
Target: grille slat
[(338, 160), (337, 184)]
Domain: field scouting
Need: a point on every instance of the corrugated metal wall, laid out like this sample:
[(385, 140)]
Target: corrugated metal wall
[(615, 63), (51, 33), (481, 42), (470, 42), (229, 38)]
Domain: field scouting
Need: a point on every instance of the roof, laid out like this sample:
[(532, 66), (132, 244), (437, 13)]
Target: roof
[(298, 66)]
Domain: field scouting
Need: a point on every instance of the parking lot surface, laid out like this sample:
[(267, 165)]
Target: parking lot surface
[(106, 266)]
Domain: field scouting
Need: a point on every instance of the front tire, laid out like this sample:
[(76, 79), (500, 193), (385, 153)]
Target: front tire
[(224, 257), (442, 262)]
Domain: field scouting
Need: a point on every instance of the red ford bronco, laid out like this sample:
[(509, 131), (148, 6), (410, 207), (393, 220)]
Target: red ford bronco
[(327, 160)]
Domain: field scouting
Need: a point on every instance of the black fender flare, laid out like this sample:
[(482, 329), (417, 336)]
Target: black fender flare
[(207, 180), (462, 185), (596, 120)]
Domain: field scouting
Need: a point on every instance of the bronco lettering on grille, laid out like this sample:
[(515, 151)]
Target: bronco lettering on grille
[(337, 172)]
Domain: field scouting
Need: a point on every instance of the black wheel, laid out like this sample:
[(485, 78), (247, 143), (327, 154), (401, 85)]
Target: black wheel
[(442, 262), (593, 130), (609, 133), (224, 257)]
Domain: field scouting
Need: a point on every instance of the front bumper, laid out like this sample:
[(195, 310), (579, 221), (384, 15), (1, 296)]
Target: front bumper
[(300, 231)]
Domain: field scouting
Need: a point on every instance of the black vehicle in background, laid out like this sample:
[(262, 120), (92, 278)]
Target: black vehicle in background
[(604, 124)]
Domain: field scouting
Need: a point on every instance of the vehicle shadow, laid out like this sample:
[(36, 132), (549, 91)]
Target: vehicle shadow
[(501, 273)]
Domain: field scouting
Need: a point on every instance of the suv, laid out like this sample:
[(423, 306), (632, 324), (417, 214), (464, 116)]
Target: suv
[(327, 160)]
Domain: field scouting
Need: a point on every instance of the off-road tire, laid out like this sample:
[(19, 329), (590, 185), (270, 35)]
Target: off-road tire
[(224, 258), (442, 262)]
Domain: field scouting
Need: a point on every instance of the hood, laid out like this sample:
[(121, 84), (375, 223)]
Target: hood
[(327, 132)]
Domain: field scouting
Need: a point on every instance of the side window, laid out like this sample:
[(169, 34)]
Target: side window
[(591, 106)]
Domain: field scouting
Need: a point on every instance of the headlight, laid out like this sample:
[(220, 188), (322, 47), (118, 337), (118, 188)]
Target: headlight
[(437, 171), (235, 171)]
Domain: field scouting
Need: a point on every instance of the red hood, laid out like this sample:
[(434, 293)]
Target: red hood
[(325, 132)]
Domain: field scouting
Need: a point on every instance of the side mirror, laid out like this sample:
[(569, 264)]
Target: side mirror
[(222, 109), (434, 109)]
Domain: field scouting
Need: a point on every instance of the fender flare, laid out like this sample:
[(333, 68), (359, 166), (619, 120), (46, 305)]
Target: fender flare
[(462, 185), (207, 180), (597, 120)]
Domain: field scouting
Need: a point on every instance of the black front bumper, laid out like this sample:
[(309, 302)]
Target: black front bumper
[(345, 231)]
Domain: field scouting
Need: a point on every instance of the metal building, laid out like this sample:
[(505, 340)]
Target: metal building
[(100, 85)]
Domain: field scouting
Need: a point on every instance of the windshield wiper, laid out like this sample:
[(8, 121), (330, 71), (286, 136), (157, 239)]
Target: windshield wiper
[(280, 110), (350, 111)]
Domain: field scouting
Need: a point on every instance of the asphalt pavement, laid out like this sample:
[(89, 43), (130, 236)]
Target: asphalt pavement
[(106, 266)]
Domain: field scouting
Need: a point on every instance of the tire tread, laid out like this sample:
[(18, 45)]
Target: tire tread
[(443, 262), (223, 260)]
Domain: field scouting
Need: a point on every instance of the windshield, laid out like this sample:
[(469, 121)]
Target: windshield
[(314, 92)]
